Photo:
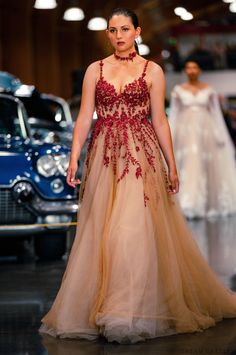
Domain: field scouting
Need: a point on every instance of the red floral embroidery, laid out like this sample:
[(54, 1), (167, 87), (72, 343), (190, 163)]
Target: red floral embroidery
[(146, 198), (122, 119), (138, 172)]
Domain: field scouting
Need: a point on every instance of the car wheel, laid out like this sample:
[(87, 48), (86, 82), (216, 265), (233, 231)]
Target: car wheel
[(50, 245)]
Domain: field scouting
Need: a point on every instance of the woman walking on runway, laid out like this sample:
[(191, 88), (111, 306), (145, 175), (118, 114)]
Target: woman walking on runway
[(134, 271)]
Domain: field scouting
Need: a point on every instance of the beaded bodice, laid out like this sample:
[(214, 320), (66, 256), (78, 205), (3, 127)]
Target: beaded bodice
[(131, 103), (123, 125)]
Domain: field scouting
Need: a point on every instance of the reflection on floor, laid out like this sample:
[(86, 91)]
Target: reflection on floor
[(27, 290), (217, 241)]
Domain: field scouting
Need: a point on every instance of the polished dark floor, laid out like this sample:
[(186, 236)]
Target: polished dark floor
[(28, 288)]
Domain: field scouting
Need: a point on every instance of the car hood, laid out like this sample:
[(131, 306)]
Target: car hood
[(13, 145), (20, 146), (13, 158)]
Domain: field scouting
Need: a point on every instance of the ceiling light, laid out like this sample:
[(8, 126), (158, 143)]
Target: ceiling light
[(187, 16), (228, 1), (73, 14), (97, 24), (179, 11), (143, 49), (232, 7), (45, 4)]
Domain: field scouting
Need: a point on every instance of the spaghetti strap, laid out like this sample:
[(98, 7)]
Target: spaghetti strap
[(101, 67), (145, 68)]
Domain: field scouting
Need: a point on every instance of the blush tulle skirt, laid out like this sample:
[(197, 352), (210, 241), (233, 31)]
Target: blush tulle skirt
[(134, 272)]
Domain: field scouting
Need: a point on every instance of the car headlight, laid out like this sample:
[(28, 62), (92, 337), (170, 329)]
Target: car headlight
[(50, 165), (57, 186)]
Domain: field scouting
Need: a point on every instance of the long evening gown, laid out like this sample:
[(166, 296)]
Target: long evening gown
[(204, 152), (134, 271)]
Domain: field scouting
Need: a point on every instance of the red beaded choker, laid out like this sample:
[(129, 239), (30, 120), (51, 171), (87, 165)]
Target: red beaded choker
[(130, 56)]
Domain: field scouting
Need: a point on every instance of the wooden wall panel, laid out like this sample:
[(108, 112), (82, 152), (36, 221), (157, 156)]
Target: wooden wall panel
[(39, 47), (70, 55), (16, 43), (46, 51)]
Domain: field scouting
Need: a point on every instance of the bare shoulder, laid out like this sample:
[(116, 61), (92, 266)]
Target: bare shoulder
[(205, 85), (93, 67), (92, 72), (183, 85), (155, 75), (154, 68), (154, 71)]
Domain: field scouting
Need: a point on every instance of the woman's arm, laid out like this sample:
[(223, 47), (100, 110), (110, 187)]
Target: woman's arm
[(160, 123), (83, 122)]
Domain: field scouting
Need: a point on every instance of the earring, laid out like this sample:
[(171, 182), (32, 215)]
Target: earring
[(138, 39)]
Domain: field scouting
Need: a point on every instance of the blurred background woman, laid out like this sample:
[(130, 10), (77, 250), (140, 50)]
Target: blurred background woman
[(205, 154)]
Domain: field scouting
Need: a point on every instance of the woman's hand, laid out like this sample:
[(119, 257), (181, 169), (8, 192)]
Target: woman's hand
[(174, 182), (71, 175)]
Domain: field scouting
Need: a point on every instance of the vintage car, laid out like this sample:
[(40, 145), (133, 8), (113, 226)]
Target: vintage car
[(49, 115), (35, 201)]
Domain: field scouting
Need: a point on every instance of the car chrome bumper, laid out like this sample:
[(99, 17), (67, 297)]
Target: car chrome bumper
[(21, 230), (42, 207), (24, 230), (51, 216), (34, 216)]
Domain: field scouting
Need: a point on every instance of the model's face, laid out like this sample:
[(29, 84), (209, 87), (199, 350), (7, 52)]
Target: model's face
[(192, 70), (121, 32)]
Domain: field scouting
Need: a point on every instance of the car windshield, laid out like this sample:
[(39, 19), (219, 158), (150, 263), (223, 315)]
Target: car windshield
[(11, 122), (36, 107), (57, 109), (38, 123)]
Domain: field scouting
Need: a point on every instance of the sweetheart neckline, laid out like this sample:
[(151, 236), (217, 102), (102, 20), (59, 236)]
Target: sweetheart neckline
[(197, 92), (125, 86)]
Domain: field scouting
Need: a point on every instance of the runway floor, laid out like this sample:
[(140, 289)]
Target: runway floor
[(27, 290)]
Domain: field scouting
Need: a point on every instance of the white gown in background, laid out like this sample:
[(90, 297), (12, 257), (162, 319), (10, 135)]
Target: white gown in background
[(205, 155)]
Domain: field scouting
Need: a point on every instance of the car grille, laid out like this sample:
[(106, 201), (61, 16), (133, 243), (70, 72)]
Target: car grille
[(12, 212)]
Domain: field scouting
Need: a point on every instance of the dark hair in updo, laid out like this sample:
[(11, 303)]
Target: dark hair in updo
[(191, 60), (128, 13)]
